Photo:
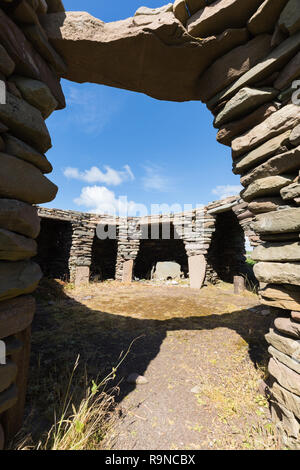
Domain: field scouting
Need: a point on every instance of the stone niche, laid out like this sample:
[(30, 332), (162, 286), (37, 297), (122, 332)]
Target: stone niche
[(54, 246)]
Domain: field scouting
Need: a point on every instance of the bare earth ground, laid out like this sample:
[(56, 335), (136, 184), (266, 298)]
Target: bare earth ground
[(210, 339)]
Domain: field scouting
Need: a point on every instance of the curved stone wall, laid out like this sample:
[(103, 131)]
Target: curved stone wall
[(241, 58)]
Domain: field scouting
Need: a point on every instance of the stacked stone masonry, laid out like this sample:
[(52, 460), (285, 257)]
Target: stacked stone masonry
[(196, 229), (241, 58)]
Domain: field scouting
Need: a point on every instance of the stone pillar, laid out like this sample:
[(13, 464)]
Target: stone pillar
[(197, 270)]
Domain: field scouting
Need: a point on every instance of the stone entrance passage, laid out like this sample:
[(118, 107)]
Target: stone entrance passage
[(162, 244)]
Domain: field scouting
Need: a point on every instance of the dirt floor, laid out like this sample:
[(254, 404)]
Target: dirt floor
[(202, 353)]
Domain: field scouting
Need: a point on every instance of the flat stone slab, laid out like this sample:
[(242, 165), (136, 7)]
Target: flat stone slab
[(25, 122), (285, 359), (288, 378), (269, 186), (8, 398), (278, 273), (211, 19), (17, 148), (281, 252), (15, 247), (278, 123), (8, 373), (288, 327), (289, 20), (171, 59), (18, 278), (261, 153), (266, 67), (287, 163), (288, 399)]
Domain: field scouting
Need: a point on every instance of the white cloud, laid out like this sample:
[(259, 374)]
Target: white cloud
[(155, 180), (110, 176), (100, 200), (227, 190)]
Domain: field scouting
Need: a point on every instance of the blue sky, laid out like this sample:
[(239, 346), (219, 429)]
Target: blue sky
[(111, 143)]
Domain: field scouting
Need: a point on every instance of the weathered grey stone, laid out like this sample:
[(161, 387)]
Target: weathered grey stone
[(16, 315), (266, 67), (15, 247), (128, 271), (19, 217), (8, 373), (23, 181), (286, 221), (265, 204), (276, 124), (37, 94), (212, 18), (7, 65), (2, 437), (288, 399), (284, 359), (25, 122), (232, 65), (17, 148), (244, 102), (28, 61), (8, 398), (180, 11), (137, 379), (165, 270), (228, 132), (197, 271), (290, 192), (290, 73), (285, 420), (280, 252), (286, 377), (289, 328), (268, 186), (284, 344), (3, 128), (265, 18), (18, 278), (261, 153), (160, 45), (286, 162), (278, 273), (289, 20), (295, 136)]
